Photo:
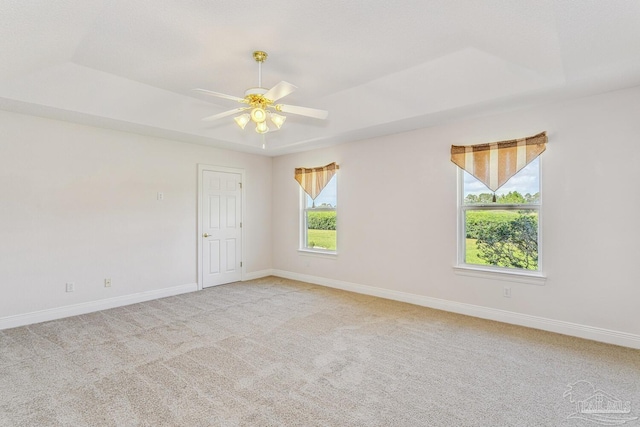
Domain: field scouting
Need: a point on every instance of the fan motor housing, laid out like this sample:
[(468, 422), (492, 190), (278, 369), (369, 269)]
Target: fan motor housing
[(255, 91), (254, 97)]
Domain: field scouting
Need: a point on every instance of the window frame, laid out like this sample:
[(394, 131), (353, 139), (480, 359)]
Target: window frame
[(304, 209), (536, 277)]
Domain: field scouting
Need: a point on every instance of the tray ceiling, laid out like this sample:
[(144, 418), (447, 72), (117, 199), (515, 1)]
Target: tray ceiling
[(378, 67)]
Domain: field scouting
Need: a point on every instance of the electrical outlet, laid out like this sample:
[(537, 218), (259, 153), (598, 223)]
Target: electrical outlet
[(506, 292), (107, 283), (70, 287), (160, 196)]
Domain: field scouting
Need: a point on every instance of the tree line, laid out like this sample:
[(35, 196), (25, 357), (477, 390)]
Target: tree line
[(511, 198)]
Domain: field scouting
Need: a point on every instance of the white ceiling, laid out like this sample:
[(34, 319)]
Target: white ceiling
[(377, 66)]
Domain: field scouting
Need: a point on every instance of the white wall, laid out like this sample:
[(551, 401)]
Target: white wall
[(78, 204), (397, 213)]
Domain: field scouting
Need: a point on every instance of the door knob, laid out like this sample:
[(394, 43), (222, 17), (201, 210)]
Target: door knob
[(206, 235)]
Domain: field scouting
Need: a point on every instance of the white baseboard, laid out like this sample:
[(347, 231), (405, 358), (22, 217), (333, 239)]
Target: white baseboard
[(257, 274), (91, 306), (566, 328)]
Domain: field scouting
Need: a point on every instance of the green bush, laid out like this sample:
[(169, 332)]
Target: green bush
[(321, 220), (477, 221), (512, 244)]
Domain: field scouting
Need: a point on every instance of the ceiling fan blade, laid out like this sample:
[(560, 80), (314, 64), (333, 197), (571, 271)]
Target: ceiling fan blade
[(280, 90), (224, 114), (303, 111), (219, 95)]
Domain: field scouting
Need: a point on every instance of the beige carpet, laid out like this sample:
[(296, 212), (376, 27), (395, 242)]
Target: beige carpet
[(274, 352)]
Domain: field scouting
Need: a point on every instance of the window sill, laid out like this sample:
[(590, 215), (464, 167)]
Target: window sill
[(531, 278), (318, 253)]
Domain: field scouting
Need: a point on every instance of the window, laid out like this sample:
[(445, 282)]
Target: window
[(501, 230), (319, 219)]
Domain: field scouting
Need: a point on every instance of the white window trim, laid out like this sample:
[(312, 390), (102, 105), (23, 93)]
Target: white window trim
[(536, 277), (318, 253), (471, 270), (302, 248)]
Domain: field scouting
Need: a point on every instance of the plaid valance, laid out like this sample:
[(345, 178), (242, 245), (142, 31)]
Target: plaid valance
[(313, 180), (494, 163)]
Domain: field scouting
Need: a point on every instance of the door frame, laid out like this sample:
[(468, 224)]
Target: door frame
[(213, 168)]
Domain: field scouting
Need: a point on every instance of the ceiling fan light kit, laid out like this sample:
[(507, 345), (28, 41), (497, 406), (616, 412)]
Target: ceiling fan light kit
[(261, 103), (262, 128), (277, 119), (242, 120), (258, 115)]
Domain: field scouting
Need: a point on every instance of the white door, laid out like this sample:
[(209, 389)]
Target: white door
[(221, 227)]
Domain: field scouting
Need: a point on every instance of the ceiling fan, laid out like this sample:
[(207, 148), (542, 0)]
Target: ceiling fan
[(260, 103)]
